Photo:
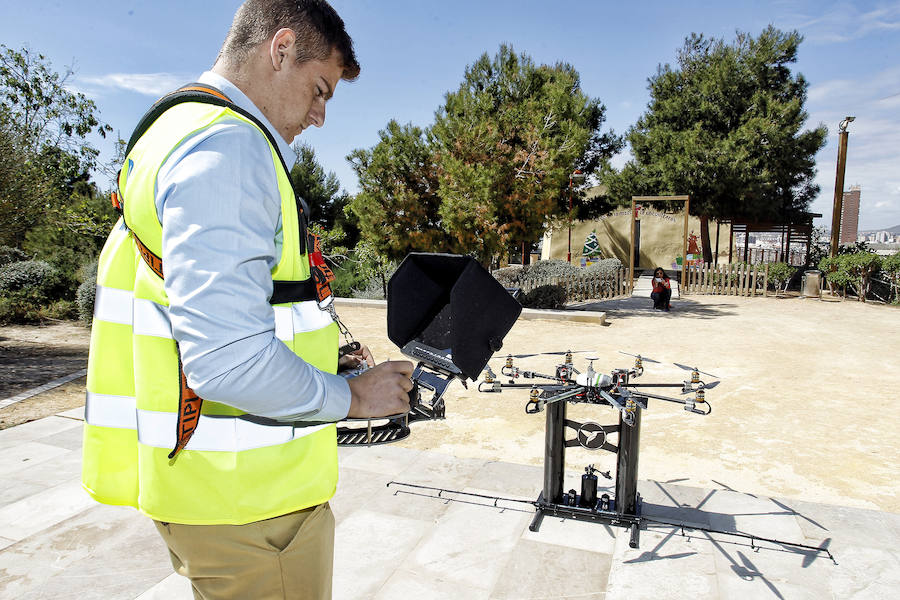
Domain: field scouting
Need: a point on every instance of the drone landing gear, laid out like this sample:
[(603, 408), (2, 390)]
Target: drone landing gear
[(624, 509)]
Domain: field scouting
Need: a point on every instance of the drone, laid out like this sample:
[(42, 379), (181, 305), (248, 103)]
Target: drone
[(552, 393), (615, 389)]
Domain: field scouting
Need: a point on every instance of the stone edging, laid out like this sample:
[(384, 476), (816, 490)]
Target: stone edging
[(42, 388), (528, 314)]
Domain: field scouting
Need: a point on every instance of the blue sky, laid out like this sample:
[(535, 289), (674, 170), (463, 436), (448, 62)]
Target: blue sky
[(128, 53)]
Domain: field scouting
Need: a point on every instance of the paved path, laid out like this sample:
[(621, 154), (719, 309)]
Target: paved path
[(643, 286), (57, 543)]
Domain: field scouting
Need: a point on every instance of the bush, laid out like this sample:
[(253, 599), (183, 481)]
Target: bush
[(33, 277), (373, 290), (780, 274), (545, 296), (9, 255), (26, 289), (510, 276), (549, 268), (87, 293), (890, 267), (855, 270)]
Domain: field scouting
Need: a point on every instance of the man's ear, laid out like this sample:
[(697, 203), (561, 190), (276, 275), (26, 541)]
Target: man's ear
[(282, 47)]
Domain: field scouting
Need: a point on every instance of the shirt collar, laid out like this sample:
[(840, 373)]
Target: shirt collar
[(240, 99)]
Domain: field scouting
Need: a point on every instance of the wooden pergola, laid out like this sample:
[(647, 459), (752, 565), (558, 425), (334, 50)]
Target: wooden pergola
[(794, 230)]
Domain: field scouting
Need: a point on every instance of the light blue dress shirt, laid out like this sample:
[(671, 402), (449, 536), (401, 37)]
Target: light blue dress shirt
[(218, 201)]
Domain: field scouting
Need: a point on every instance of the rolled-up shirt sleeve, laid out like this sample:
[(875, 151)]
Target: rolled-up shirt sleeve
[(219, 205)]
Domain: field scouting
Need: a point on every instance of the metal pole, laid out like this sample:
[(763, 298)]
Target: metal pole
[(687, 210), (555, 452), (627, 466), (569, 253), (839, 186)]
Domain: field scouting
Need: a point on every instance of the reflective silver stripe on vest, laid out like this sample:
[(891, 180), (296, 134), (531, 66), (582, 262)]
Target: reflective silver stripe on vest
[(218, 433), (299, 318), (151, 318), (110, 411), (113, 305)]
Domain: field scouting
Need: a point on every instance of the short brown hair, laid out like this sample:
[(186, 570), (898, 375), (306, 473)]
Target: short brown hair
[(317, 25)]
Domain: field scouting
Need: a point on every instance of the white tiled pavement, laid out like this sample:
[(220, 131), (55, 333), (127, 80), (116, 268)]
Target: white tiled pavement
[(56, 543)]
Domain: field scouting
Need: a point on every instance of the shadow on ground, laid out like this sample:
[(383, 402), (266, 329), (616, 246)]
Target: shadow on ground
[(625, 308), (25, 366)]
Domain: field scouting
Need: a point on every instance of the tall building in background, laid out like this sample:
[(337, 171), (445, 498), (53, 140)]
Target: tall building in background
[(850, 216)]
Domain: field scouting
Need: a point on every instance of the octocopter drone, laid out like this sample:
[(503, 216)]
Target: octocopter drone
[(616, 390)]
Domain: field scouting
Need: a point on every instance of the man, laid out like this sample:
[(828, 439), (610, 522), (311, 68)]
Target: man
[(211, 385)]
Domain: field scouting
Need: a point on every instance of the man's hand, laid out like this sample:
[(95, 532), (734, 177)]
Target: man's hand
[(381, 391), (356, 359)]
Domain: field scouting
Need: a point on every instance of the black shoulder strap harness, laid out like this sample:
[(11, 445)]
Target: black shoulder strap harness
[(317, 287)]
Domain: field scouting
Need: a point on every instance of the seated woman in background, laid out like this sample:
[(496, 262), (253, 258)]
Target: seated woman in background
[(662, 290)]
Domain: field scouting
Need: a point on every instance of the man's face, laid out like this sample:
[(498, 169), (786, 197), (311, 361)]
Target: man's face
[(306, 88)]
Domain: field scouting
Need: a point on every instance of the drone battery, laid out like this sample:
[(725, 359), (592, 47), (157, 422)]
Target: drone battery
[(589, 490)]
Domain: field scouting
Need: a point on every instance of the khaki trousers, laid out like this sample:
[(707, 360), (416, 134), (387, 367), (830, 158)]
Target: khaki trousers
[(288, 557)]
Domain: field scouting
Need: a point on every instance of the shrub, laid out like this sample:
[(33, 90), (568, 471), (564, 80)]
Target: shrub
[(9, 255), (87, 293), (890, 266), (373, 290), (545, 296), (861, 266), (853, 270), (549, 268), (26, 288), (608, 267), (33, 277), (780, 274), (510, 276)]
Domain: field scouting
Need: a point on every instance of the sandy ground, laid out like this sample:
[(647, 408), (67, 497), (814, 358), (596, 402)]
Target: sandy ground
[(805, 407), (31, 356)]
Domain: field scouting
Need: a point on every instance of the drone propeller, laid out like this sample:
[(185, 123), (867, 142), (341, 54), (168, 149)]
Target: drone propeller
[(642, 357), (710, 386), (680, 366), (563, 353)]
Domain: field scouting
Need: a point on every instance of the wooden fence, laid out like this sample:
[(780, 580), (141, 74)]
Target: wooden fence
[(738, 279), (593, 286)]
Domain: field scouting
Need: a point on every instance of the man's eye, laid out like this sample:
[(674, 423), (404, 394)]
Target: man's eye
[(319, 91)]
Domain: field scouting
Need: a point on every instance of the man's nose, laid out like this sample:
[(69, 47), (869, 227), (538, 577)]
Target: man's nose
[(317, 114)]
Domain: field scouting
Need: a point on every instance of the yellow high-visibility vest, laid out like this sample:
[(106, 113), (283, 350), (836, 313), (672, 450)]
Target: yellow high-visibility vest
[(236, 468)]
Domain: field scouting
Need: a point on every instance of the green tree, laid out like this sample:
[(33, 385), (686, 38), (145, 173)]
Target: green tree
[(43, 110), (505, 144), (23, 187), (890, 266), (398, 204), (725, 126), (322, 192), (45, 157)]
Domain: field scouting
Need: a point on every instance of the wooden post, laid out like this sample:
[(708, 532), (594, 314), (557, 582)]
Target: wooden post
[(766, 282), (753, 282), (730, 241), (631, 253), (687, 212), (746, 243)]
